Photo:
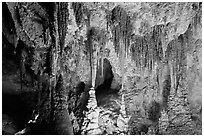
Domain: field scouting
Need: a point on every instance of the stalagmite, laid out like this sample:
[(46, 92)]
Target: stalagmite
[(90, 124), (123, 105), (122, 121)]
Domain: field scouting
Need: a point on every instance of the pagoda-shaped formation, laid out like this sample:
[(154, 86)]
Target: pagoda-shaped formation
[(90, 124)]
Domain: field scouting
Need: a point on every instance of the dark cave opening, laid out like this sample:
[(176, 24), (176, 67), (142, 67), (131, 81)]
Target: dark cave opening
[(103, 82), (104, 79)]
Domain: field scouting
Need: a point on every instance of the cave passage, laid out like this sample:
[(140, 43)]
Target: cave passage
[(103, 82)]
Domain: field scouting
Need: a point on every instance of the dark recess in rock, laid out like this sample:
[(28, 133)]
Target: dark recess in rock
[(7, 19), (104, 81), (8, 49), (154, 111)]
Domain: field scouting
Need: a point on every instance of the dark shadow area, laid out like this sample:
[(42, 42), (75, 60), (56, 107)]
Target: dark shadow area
[(15, 107), (105, 78), (7, 20), (17, 104), (103, 84)]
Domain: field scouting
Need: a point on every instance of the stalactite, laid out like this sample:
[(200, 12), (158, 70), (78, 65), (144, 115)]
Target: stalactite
[(102, 60), (147, 50), (152, 53), (103, 40), (173, 53), (175, 65), (78, 11), (135, 52), (180, 60), (144, 51), (102, 66), (122, 64), (89, 35), (120, 21), (63, 15), (94, 63), (139, 55), (194, 20), (101, 56), (95, 43)]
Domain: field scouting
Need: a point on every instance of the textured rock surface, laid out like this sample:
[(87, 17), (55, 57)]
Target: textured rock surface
[(90, 125), (153, 50)]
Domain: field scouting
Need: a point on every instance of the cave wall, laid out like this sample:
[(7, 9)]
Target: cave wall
[(156, 54), (151, 37)]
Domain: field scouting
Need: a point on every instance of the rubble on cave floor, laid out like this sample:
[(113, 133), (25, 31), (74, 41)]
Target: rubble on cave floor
[(111, 115)]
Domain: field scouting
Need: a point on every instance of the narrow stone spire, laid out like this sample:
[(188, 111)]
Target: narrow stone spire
[(90, 125), (122, 110), (122, 121)]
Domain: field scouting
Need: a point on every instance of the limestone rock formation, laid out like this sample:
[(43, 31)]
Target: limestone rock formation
[(142, 58), (90, 125)]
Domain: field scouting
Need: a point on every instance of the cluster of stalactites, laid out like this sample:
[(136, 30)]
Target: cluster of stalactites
[(197, 19), (147, 49), (177, 50), (119, 22), (176, 55), (121, 27), (82, 13), (63, 16), (95, 46)]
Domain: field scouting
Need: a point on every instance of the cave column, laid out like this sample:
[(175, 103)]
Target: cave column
[(90, 125)]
